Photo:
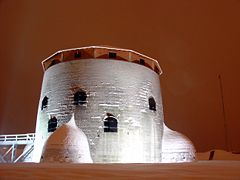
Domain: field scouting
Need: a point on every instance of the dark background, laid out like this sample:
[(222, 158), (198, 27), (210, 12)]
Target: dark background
[(194, 41)]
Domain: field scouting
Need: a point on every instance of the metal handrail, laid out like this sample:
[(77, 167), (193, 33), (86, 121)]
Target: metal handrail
[(17, 137)]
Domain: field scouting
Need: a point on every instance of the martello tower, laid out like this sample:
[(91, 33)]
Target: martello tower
[(114, 99)]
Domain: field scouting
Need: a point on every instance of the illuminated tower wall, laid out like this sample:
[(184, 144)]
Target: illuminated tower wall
[(115, 97)]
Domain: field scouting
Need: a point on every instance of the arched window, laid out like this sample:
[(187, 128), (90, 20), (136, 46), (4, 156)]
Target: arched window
[(52, 124), (152, 103), (110, 124), (80, 97), (44, 102)]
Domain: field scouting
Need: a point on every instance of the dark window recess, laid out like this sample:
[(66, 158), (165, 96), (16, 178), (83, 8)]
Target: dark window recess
[(211, 155), (152, 104), (54, 61), (112, 55), (110, 124), (52, 124), (156, 69), (80, 97), (44, 103), (77, 54), (141, 61)]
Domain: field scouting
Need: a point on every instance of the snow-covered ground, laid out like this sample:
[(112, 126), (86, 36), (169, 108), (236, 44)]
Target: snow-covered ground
[(218, 155), (215, 169)]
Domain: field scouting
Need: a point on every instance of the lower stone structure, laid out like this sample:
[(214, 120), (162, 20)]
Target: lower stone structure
[(117, 106)]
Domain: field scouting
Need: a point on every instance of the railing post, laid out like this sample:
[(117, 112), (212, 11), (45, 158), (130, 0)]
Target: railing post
[(13, 152)]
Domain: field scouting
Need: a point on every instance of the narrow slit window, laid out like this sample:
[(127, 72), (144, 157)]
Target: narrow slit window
[(80, 97), (52, 124), (44, 103), (112, 55), (141, 61), (152, 103), (110, 124)]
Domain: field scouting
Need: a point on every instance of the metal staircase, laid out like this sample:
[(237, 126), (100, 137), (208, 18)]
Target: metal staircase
[(16, 147)]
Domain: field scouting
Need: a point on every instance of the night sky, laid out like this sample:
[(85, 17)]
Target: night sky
[(194, 42)]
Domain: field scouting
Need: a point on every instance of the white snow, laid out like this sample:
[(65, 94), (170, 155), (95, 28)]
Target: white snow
[(200, 170)]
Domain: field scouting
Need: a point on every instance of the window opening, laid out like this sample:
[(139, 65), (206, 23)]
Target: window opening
[(152, 103), (141, 61), (52, 124), (112, 55), (77, 54), (44, 103), (156, 69), (54, 61), (80, 97), (110, 123)]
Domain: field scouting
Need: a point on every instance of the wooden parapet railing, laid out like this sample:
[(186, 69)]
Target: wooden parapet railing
[(101, 52)]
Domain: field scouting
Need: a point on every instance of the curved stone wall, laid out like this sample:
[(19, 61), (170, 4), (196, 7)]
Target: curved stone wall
[(114, 87)]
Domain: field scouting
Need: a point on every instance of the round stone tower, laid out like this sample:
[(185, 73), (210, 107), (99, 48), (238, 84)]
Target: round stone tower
[(115, 97)]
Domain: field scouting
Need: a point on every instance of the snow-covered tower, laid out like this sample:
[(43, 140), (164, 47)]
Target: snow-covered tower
[(116, 100)]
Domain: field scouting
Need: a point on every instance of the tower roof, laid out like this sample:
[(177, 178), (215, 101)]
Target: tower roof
[(101, 52)]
